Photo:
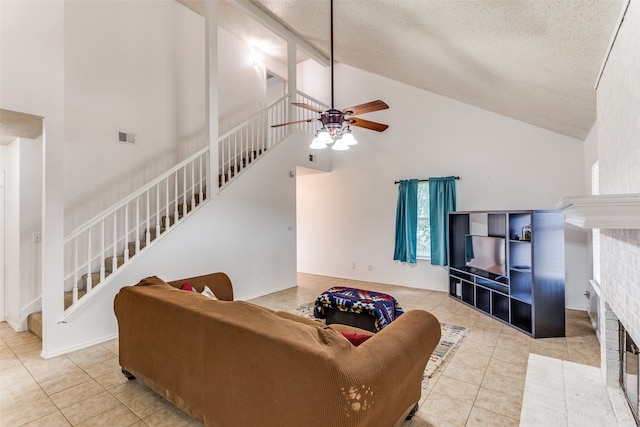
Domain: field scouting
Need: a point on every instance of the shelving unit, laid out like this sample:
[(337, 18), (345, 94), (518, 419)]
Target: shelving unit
[(530, 295)]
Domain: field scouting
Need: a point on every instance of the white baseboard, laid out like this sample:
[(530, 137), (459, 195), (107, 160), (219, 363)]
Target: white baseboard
[(60, 352)]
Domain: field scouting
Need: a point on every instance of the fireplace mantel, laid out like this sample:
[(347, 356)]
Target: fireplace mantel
[(619, 211)]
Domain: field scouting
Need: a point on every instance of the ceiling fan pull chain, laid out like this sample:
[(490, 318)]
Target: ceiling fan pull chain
[(332, 104)]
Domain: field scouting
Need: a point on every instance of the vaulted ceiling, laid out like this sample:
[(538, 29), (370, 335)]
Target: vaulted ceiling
[(533, 60)]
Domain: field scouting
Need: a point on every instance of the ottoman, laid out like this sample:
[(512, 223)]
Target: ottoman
[(363, 309)]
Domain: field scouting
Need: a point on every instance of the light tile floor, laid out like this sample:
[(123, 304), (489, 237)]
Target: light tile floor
[(483, 384)]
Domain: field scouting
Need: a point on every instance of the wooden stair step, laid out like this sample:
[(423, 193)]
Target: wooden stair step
[(34, 323), (108, 263), (68, 297), (95, 278), (132, 247), (152, 232)]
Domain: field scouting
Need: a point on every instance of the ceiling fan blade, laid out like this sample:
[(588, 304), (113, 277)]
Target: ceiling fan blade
[(308, 107), (367, 124), (366, 108), (293, 123)]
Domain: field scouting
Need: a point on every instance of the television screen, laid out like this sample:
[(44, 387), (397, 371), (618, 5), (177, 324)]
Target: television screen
[(485, 253)]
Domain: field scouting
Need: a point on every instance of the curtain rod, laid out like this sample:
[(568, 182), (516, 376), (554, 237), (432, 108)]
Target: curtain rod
[(426, 180)]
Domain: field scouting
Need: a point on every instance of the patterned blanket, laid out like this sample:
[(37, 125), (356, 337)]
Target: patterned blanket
[(383, 307)]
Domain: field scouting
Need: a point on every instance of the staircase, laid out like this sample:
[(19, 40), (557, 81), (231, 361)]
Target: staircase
[(95, 252)]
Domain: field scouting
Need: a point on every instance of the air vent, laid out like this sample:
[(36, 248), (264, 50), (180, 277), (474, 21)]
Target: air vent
[(126, 138)]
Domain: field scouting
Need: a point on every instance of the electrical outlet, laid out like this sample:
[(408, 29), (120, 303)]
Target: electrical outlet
[(37, 237), (370, 267), (353, 266)]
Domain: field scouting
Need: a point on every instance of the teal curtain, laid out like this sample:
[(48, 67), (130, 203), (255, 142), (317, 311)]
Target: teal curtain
[(442, 200), (406, 221)]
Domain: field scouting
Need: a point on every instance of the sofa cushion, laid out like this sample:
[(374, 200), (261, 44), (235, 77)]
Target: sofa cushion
[(208, 293), (356, 339), (187, 287)]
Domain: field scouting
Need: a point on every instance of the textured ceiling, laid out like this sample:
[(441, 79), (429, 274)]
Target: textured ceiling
[(535, 61)]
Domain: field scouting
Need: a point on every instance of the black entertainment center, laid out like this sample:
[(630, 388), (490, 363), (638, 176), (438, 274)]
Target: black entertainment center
[(510, 265)]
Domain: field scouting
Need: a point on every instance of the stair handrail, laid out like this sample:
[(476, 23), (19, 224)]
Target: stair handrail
[(312, 99), (106, 212), (251, 118)]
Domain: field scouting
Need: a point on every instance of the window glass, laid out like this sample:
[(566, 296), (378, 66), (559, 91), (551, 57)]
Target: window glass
[(423, 235)]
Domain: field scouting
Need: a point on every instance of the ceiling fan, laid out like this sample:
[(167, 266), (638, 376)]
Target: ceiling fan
[(335, 123)]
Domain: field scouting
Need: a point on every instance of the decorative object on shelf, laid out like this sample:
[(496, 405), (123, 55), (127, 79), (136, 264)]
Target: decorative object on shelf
[(335, 123), (526, 233), (459, 289)]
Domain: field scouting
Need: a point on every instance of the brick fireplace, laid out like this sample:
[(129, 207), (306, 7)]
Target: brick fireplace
[(620, 311)]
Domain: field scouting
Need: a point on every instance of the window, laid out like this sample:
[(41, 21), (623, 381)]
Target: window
[(423, 235)]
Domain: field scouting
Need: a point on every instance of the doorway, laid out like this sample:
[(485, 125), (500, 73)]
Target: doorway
[(276, 86)]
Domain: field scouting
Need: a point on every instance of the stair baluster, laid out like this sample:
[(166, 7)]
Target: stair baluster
[(147, 232), (126, 232), (75, 270), (158, 216), (114, 264), (137, 224), (102, 251), (176, 204), (201, 181), (88, 283)]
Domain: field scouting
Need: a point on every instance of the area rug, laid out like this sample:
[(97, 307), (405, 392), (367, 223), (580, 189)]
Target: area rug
[(451, 338)]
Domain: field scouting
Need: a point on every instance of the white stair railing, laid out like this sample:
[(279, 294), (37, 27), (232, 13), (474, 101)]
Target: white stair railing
[(102, 245), (304, 114), (241, 146)]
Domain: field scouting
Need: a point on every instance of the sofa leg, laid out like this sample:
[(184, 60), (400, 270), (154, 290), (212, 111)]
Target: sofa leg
[(413, 412), (128, 374)]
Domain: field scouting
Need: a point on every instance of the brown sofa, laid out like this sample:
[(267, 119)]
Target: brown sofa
[(231, 363)]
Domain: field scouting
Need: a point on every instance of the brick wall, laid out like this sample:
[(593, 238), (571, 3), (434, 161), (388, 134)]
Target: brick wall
[(618, 104)]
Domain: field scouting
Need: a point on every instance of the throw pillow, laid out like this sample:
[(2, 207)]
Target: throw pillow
[(188, 287), (208, 293), (356, 339)]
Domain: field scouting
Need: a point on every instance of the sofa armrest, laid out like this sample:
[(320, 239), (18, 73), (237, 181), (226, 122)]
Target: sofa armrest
[(219, 283)]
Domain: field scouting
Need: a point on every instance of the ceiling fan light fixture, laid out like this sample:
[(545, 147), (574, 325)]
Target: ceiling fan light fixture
[(347, 137), (340, 145), (323, 136), (317, 144)]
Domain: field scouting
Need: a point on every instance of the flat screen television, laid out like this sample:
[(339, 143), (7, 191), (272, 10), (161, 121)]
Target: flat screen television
[(485, 253)]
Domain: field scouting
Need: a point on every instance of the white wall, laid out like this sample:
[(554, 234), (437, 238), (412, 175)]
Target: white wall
[(241, 81), (348, 216), (134, 67), (139, 67)]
